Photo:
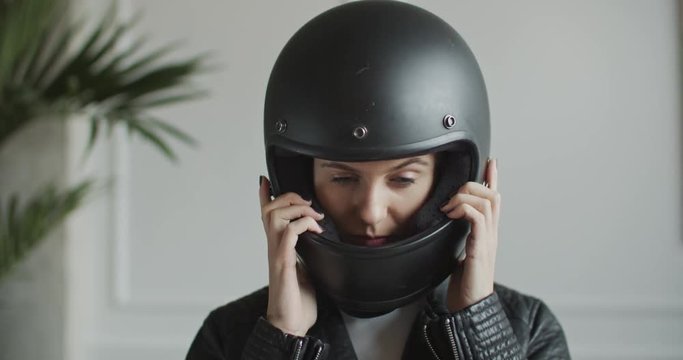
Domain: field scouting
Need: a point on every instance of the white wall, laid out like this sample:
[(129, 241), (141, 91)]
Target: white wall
[(32, 294), (585, 100)]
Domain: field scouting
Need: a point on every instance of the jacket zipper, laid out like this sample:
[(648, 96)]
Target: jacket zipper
[(451, 336), (299, 345), (429, 343), (317, 353)]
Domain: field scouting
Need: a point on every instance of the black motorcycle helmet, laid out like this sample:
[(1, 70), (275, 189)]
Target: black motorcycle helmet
[(377, 80)]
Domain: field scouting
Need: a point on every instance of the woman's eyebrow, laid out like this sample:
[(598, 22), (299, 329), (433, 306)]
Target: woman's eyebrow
[(337, 165), (416, 160), (342, 166)]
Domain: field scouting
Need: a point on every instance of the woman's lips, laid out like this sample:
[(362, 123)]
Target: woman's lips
[(369, 241)]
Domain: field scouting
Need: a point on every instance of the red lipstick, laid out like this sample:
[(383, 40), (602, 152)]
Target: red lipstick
[(369, 241)]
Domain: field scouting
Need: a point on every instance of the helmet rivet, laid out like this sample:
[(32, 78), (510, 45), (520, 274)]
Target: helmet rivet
[(281, 126), (449, 121), (360, 132)]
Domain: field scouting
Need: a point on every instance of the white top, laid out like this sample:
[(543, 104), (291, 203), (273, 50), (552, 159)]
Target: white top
[(382, 337)]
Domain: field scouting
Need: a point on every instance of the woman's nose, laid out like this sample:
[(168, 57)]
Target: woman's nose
[(372, 205)]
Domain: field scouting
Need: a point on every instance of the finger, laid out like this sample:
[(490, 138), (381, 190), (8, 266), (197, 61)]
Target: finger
[(482, 205), (480, 190), (294, 212), (492, 174), (489, 213), (489, 191), (474, 188), (474, 247), (283, 200), (264, 190), (286, 254), (298, 227)]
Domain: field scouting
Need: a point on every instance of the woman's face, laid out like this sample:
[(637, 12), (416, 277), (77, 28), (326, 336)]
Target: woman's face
[(370, 201)]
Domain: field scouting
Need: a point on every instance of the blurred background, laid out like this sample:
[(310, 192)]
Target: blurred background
[(586, 117)]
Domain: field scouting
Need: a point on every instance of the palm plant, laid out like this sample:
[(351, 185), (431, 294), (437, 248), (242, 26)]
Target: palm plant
[(40, 78)]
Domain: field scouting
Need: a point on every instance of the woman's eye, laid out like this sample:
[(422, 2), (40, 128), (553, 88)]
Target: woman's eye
[(343, 179), (401, 180)]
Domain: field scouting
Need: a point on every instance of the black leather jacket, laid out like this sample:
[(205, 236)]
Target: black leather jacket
[(504, 325)]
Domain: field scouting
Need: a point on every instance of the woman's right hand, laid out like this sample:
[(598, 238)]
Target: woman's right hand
[(292, 306)]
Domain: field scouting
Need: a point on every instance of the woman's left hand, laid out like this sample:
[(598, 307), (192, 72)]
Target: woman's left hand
[(472, 280)]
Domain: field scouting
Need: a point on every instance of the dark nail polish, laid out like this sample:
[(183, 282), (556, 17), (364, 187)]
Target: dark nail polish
[(260, 180)]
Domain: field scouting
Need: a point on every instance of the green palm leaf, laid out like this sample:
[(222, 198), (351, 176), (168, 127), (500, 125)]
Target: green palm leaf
[(121, 84), (27, 225), (40, 78)]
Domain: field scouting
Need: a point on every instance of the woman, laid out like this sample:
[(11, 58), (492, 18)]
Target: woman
[(381, 212)]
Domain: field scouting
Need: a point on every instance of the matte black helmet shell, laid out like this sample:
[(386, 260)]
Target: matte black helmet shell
[(376, 80)]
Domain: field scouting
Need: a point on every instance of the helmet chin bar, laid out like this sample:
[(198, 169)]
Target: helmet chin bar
[(368, 282)]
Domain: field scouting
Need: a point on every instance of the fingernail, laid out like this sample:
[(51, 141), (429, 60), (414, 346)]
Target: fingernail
[(321, 215), (260, 180)]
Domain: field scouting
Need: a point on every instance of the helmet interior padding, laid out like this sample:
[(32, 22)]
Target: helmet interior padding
[(453, 169)]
